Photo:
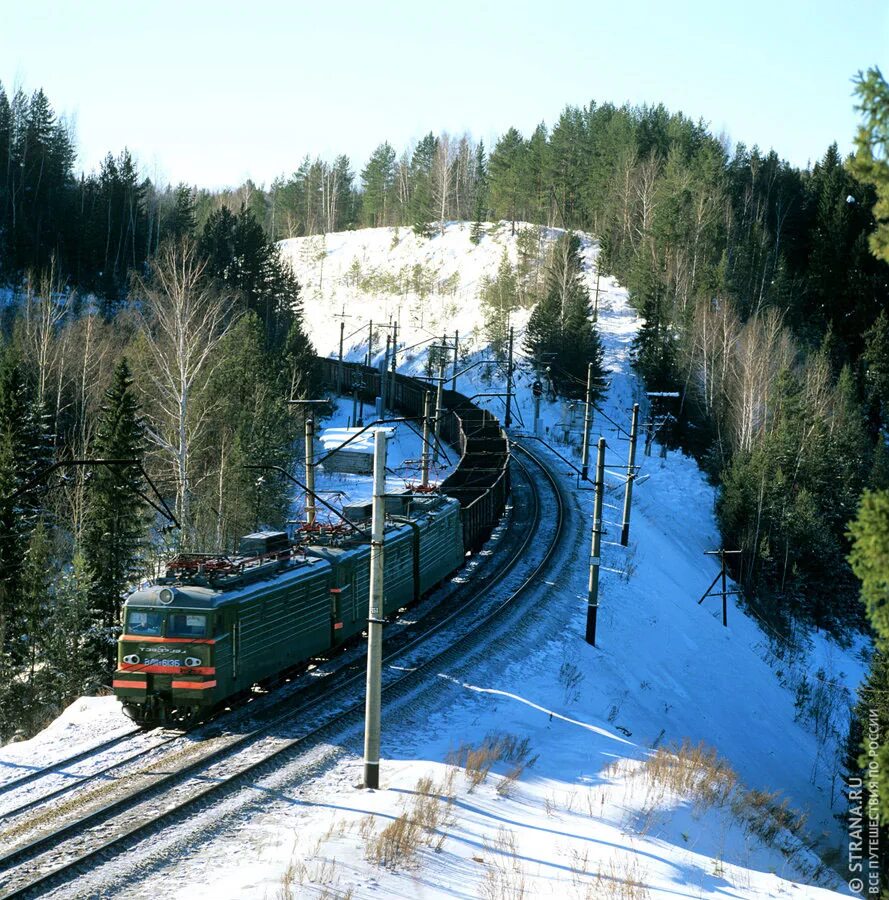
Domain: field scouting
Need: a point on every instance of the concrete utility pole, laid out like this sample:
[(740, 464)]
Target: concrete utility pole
[(339, 368), (424, 458), (438, 404), (370, 342), (394, 366), (354, 398), (375, 619), (596, 301), (384, 372), (587, 422), (631, 477), (456, 348), (537, 390), (310, 468), (507, 419), (592, 609)]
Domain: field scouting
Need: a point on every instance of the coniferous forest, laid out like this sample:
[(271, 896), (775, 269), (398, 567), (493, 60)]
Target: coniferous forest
[(764, 289)]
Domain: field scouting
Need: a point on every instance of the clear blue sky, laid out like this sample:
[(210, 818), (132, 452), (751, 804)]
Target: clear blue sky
[(213, 92)]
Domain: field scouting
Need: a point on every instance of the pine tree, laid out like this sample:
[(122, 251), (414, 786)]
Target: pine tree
[(507, 167), (378, 177), (115, 523), (180, 221), (871, 161), (869, 558), (481, 193), (421, 208)]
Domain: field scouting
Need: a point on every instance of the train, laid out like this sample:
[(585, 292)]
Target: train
[(215, 625)]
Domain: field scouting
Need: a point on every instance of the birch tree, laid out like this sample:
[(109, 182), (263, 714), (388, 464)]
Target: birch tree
[(186, 318)]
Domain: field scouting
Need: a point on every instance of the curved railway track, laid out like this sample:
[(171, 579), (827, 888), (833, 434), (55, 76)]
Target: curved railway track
[(164, 796)]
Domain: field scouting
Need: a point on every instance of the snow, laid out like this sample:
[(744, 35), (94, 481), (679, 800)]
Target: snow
[(85, 723), (588, 809)]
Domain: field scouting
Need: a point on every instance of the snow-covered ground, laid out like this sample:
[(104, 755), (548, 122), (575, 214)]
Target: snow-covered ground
[(85, 723), (584, 798)]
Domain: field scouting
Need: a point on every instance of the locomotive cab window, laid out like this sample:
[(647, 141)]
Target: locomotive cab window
[(144, 621), (186, 625)]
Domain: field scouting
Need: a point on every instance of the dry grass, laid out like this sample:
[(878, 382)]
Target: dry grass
[(766, 816), (423, 823), (696, 773), (571, 678), (477, 761), (624, 881), (504, 874), (692, 771), (313, 877)]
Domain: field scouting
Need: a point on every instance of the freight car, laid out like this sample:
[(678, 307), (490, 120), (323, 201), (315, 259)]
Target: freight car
[(214, 625)]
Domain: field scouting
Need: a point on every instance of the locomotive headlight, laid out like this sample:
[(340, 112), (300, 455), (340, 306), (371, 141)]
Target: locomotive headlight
[(132, 659), (191, 662), (165, 596)]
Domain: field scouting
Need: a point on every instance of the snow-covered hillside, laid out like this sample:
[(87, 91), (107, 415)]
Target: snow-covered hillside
[(427, 286), (586, 797)]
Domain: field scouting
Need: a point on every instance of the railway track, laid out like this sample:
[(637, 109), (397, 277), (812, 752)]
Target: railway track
[(15, 783), (161, 795)]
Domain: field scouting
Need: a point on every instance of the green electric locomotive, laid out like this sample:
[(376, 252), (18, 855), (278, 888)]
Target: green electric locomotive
[(214, 626)]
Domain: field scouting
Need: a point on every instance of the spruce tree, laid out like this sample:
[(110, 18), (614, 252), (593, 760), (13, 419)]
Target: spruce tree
[(579, 346), (115, 519), (542, 335), (23, 456), (499, 297), (876, 362), (878, 479), (560, 332), (70, 666), (481, 193)]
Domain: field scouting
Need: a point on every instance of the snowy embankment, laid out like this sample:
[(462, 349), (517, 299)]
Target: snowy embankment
[(548, 768)]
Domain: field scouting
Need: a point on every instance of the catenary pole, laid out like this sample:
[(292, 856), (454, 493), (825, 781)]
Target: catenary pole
[(375, 619), (438, 403), (507, 419), (310, 468), (339, 368), (384, 373), (631, 476), (595, 559), (587, 423), (424, 459), (456, 348), (394, 366)]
